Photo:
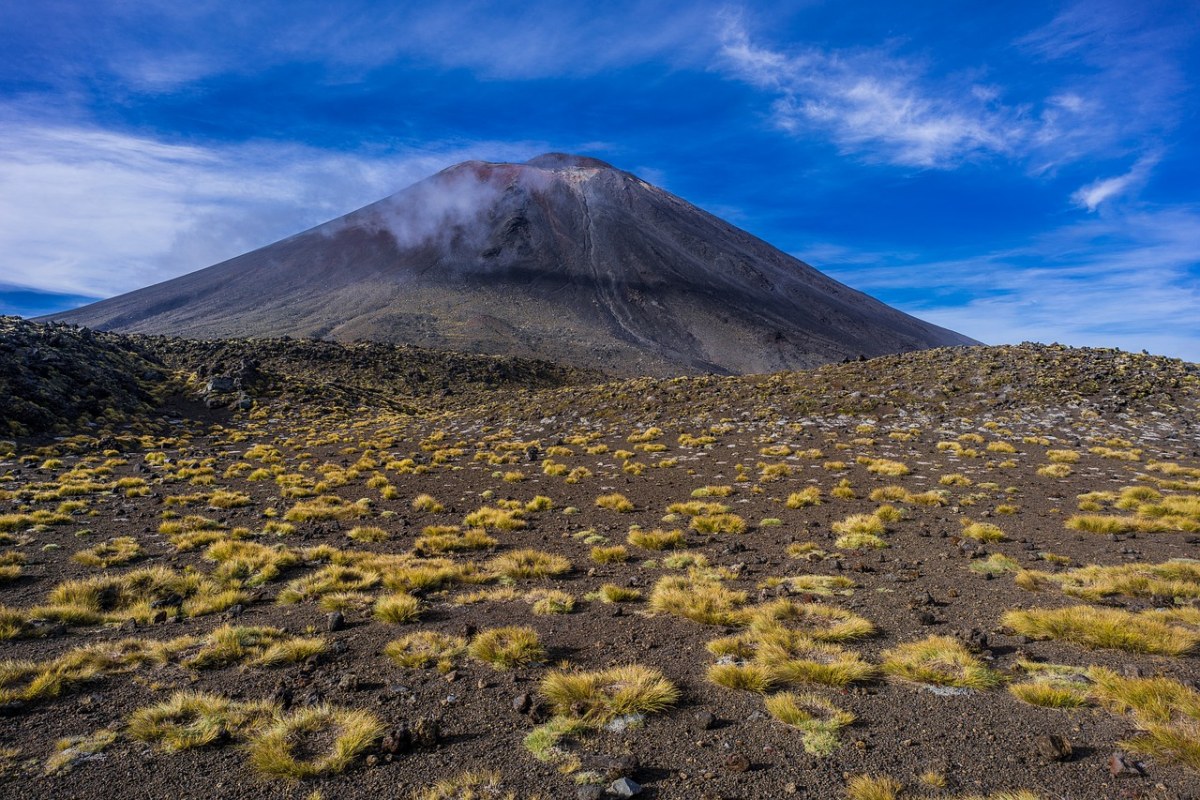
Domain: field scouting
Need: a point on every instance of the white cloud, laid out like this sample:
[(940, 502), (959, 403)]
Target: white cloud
[(1101, 190), (1108, 84), (872, 104), (98, 213), (1129, 280)]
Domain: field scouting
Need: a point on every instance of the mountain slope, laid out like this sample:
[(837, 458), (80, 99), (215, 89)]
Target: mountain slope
[(563, 257)]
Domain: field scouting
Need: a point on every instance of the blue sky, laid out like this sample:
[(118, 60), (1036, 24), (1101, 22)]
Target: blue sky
[(1017, 171)]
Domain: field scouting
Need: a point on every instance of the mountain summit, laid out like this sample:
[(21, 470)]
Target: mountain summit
[(562, 257)]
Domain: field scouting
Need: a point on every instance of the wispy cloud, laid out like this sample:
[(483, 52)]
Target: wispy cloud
[(93, 212), (1104, 189), (872, 104), (1129, 280), (1117, 95)]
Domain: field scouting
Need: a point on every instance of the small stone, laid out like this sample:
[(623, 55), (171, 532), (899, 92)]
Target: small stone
[(705, 721), (1053, 747), (591, 792), (1121, 765), (737, 763), (335, 621), (522, 703), (625, 787)]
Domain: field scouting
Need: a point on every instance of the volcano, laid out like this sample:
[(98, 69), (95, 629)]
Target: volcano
[(561, 257)]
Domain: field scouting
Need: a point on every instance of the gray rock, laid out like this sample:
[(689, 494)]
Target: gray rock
[(625, 787)]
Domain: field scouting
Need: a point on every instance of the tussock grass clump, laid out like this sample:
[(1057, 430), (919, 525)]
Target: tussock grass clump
[(860, 524), (1055, 470), (327, 507), (615, 502), (1094, 523), (780, 656), (982, 531), (1178, 579), (1106, 628), (529, 563), (113, 553), (815, 717), (713, 491), (71, 751), (884, 466), (616, 554), (551, 601), (823, 585), (869, 787), (276, 750), (331, 579), (656, 539), (818, 622), (139, 595), (188, 720), (598, 697), (745, 677), (468, 786), (424, 648), (611, 593), (697, 508), (941, 661), (428, 504), (436, 539), (810, 496), (397, 609), (504, 519), (368, 533), (995, 564), (507, 647), (249, 563), (698, 599), (255, 646), (718, 523), (1167, 714)]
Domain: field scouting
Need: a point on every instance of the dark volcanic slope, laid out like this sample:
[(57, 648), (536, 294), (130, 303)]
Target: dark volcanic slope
[(563, 257)]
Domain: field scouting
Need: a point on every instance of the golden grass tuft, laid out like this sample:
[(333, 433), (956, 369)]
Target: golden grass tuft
[(188, 719), (529, 563), (656, 539), (1106, 628), (597, 697), (816, 718), (982, 531), (275, 750), (810, 496), (397, 609), (698, 599), (616, 554), (253, 645), (113, 553), (868, 787), (819, 622), (424, 648), (507, 647), (718, 523), (941, 661), (366, 533), (615, 502)]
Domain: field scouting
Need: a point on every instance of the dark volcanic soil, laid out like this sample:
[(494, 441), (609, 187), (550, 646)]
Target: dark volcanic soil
[(1139, 416)]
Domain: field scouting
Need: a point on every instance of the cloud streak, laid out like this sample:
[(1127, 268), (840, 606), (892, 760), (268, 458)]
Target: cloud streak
[(93, 212), (1129, 280), (882, 108), (871, 104)]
